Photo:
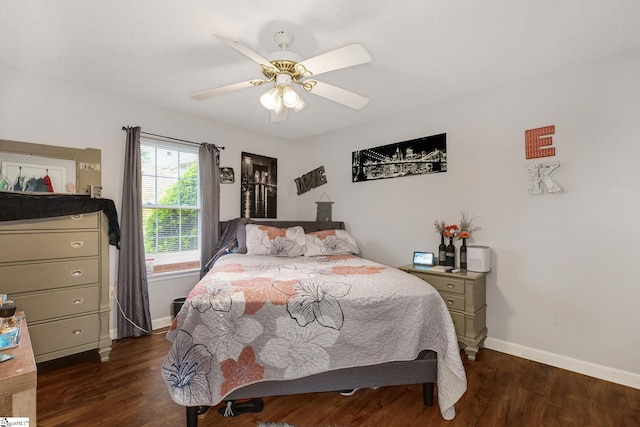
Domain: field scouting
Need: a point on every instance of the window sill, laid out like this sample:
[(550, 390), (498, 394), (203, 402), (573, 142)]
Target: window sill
[(170, 275)]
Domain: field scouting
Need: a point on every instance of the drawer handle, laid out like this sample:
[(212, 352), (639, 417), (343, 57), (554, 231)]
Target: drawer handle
[(77, 244), (77, 273), (76, 331), (450, 285), (450, 302), (76, 217), (78, 300)]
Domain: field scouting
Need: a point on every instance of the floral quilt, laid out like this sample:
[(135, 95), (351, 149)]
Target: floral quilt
[(259, 318)]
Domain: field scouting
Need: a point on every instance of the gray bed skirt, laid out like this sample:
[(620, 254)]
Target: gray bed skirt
[(423, 371)]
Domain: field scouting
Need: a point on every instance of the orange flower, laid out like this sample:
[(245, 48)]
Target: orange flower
[(244, 371), (463, 235), (259, 290), (356, 269), (273, 232), (323, 234), (450, 230)]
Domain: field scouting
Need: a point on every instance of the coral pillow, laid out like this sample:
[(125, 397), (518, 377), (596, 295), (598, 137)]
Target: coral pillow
[(329, 242), (265, 240)]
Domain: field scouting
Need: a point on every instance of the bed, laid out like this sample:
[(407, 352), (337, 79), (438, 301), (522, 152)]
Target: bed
[(318, 319)]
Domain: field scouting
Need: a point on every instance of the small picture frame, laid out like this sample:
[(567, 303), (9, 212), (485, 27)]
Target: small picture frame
[(95, 191), (227, 176)]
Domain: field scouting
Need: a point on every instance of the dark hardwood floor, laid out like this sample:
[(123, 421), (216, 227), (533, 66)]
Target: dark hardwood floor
[(503, 390)]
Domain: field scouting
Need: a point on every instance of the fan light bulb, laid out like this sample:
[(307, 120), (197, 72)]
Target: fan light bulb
[(279, 106), (281, 97), (271, 99), (300, 105), (289, 97)]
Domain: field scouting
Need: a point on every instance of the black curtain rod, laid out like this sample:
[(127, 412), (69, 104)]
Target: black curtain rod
[(174, 139)]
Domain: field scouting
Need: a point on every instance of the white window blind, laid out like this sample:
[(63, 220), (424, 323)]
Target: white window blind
[(170, 205)]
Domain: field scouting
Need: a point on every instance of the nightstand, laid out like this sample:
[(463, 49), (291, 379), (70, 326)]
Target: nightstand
[(465, 293)]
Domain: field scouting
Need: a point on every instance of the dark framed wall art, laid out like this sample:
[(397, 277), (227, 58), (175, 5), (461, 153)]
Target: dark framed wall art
[(259, 189), (227, 176), (414, 157)]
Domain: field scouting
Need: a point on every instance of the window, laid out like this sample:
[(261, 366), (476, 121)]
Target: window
[(170, 206)]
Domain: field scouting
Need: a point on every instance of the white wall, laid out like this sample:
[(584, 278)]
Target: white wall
[(562, 288), (43, 111)]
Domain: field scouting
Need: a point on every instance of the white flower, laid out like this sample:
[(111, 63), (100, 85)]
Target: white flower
[(318, 300), (230, 331), (298, 351)]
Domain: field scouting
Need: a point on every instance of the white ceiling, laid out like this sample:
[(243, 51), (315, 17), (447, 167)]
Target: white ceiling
[(424, 51)]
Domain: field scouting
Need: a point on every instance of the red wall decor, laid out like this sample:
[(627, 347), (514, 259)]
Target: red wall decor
[(534, 142)]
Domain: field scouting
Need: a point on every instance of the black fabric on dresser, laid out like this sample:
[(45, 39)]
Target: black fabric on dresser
[(16, 206)]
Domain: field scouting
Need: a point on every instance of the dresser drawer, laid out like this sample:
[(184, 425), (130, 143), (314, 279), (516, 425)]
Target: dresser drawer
[(453, 301), (442, 283), (64, 334), (43, 246), (68, 302), (48, 275), (89, 220)]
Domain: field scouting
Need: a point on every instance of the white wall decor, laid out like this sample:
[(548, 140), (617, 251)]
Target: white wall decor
[(539, 173)]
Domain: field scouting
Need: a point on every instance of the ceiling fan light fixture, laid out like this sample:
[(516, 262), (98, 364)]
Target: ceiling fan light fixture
[(289, 97), (301, 104), (279, 107), (285, 67), (271, 98)]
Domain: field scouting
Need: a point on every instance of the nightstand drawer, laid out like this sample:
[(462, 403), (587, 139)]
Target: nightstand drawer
[(64, 334), (446, 284), (453, 301), (68, 302)]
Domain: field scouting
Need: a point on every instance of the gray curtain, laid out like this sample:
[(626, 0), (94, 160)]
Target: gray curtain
[(209, 164), (133, 293)]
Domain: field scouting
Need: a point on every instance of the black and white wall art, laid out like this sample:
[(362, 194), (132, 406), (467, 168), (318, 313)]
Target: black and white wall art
[(259, 189), (227, 176), (414, 157)]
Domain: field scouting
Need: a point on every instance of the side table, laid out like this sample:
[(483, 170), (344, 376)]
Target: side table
[(18, 378), (465, 294)]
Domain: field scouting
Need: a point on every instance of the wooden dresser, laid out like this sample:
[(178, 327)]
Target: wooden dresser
[(465, 295), (56, 271)]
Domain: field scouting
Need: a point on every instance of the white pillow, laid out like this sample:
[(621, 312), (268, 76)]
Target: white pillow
[(265, 240), (330, 242)]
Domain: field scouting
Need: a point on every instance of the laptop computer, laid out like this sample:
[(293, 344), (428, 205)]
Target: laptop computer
[(422, 260)]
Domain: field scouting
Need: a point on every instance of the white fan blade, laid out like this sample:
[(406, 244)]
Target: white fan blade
[(226, 89), (347, 56), (339, 95), (246, 51)]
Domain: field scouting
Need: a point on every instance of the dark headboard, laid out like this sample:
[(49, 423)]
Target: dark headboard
[(309, 226)]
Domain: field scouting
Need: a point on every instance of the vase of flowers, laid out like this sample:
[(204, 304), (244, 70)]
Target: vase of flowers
[(451, 231), (442, 249)]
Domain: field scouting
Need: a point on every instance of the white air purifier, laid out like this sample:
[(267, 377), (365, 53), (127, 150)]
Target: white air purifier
[(479, 259)]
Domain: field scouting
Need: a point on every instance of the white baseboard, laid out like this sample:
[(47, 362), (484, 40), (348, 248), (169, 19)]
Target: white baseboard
[(629, 379), (162, 322)]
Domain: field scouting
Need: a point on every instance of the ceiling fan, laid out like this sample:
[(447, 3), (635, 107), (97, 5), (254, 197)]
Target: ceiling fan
[(285, 67)]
